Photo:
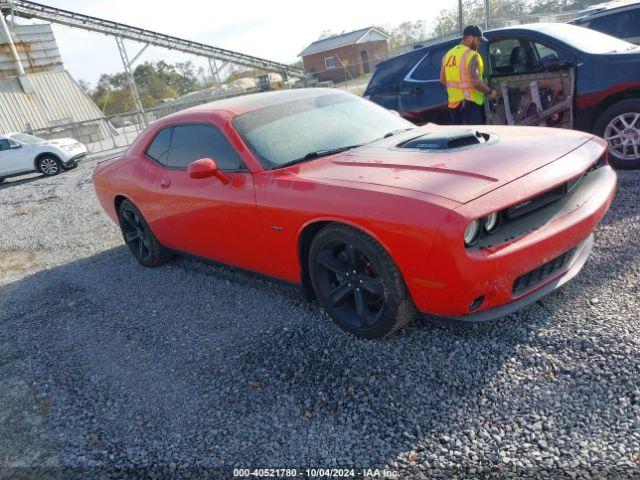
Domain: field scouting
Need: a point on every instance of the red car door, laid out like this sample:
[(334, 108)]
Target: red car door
[(206, 217)]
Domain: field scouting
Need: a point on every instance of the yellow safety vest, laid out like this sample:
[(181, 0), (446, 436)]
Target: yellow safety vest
[(456, 68)]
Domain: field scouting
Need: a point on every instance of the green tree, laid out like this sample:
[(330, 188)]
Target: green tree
[(406, 33), (557, 6), (329, 33), (446, 22), (154, 81)]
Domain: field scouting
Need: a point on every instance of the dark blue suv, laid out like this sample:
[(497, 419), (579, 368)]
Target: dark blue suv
[(555, 75)]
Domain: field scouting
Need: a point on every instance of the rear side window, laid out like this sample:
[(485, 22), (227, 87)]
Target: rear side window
[(429, 67), (159, 148), (193, 142), (621, 25)]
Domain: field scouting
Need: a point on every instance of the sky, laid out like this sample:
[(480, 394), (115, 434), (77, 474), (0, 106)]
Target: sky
[(274, 30)]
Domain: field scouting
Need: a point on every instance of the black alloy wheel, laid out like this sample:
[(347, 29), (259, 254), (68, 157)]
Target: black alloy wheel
[(358, 283), (139, 238)]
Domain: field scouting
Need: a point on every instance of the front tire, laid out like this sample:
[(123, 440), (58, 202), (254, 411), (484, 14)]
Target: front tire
[(48, 166), (619, 125), (139, 238), (357, 283)]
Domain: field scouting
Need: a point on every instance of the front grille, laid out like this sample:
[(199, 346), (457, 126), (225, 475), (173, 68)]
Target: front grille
[(535, 203), (549, 196), (537, 276)]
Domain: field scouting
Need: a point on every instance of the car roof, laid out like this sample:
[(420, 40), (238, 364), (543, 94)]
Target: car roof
[(605, 8), (535, 27), (256, 101), (7, 135)]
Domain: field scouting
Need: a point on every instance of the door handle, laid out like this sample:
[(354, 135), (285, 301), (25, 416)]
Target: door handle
[(165, 183), (418, 89)]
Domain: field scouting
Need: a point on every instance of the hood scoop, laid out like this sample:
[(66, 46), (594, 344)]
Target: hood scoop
[(447, 139)]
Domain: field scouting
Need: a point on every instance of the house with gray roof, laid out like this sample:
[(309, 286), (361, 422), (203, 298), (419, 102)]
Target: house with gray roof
[(346, 56)]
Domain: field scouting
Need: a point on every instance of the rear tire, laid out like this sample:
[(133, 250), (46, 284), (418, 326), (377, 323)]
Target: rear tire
[(619, 125), (357, 282), (139, 238)]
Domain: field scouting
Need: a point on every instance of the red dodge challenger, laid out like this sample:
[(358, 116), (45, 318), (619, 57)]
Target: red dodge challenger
[(374, 217)]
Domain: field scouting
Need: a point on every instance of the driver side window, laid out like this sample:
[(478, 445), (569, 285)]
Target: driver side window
[(511, 56), (4, 144), (515, 56), (548, 57)]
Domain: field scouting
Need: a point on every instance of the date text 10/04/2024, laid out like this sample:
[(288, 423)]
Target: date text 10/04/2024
[(316, 473)]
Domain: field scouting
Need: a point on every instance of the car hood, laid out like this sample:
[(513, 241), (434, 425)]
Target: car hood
[(59, 142), (460, 175)]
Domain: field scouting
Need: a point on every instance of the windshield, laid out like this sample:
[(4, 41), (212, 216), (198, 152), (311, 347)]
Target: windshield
[(587, 40), (26, 138), (283, 133)]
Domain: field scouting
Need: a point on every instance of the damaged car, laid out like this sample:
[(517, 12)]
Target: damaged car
[(552, 75), (374, 217)]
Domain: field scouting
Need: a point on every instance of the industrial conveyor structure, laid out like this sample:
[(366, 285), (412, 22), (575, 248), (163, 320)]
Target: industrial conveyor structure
[(28, 10)]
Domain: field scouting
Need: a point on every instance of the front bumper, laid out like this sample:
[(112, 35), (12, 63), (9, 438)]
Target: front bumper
[(458, 277), (577, 262), (74, 160)]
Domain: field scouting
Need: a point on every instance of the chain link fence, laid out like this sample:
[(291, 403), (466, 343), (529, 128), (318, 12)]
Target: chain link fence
[(117, 132)]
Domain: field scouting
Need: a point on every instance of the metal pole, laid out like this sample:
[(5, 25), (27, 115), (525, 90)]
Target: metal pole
[(218, 70), (460, 15), (13, 16), (486, 14), (132, 81), (22, 77), (12, 48), (215, 72)]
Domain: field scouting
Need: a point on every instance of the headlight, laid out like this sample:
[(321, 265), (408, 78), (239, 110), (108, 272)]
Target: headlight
[(472, 233), (492, 222)]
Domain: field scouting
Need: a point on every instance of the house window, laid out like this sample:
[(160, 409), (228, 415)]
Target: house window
[(329, 63)]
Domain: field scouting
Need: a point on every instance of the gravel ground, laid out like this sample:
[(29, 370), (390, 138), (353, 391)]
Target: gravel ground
[(106, 365)]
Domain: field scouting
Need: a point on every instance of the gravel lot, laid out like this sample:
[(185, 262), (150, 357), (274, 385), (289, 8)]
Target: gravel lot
[(105, 364)]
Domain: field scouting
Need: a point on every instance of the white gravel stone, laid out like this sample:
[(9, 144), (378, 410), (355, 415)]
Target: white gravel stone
[(105, 364)]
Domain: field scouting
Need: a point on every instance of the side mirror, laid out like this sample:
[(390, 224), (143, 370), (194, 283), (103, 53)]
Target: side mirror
[(16, 145), (205, 168)]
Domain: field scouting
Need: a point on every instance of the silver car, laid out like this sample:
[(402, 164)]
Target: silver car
[(22, 153)]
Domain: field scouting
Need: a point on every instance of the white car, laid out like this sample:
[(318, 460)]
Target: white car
[(23, 153)]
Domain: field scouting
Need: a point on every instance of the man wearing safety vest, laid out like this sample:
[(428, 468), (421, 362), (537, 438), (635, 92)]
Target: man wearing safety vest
[(462, 73)]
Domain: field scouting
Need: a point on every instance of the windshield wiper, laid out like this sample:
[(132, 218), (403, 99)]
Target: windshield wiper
[(318, 154), (393, 132)]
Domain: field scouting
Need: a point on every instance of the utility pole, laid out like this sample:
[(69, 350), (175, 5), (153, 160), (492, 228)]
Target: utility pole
[(486, 14), (460, 19)]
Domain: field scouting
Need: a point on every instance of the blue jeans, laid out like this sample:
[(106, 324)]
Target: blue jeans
[(468, 113)]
